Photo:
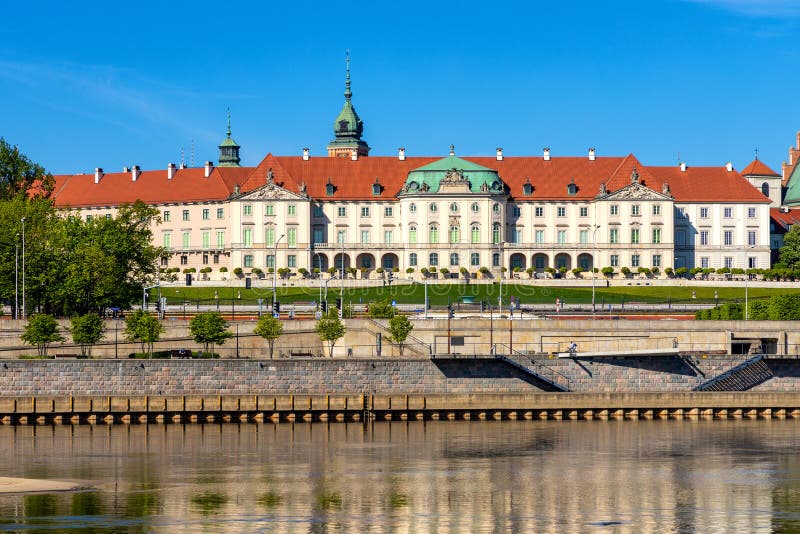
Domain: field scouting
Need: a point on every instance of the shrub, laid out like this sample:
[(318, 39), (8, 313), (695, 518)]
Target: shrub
[(576, 271), (238, 271), (531, 271), (256, 271), (410, 270), (655, 270), (784, 307), (205, 270), (483, 270), (463, 270), (379, 270), (625, 271), (607, 271), (643, 270), (444, 270), (669, 271), (758, 310), (681, 271), (223, 269)]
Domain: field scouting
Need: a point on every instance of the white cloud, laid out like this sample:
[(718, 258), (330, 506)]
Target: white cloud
[(757, 8)]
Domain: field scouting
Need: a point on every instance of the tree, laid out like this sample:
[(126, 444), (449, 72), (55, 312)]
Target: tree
[(209, 328), (400, 327), (19, 176), (270, 329), (143, 328), (790, 251), (41, 330), (380, 310), (330, 328), (86, 331)]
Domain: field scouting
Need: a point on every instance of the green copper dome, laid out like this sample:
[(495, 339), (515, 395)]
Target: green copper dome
[(792, 196), (228, 149), (348, 127), (453, 171)]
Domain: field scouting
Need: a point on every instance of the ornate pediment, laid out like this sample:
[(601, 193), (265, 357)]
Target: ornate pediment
[(272, 191), (633, 191)]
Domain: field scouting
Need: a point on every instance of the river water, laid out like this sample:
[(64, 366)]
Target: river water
[(445, 476)]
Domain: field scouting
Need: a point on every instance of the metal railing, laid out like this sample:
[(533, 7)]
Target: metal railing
[(543, 372)]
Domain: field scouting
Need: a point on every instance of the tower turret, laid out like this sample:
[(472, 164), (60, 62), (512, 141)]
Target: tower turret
[(228, 149), (348, 127)]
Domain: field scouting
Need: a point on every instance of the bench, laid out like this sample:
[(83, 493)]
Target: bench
[(180, 353)]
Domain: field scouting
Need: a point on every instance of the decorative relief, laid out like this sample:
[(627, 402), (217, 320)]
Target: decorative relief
[(635, 191)]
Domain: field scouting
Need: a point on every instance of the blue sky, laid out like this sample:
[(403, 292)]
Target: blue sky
[(115, 84)]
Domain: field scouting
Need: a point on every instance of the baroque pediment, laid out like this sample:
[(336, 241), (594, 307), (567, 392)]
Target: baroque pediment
[(272, 191), (633, 191)]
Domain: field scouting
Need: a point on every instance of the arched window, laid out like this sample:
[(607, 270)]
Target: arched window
[(454, 259), (475, 207), (496, 234), (455, 234), (412, 208), (433, 207), (474, 259), (765, 189), (476, 234), (496, 208), (412, 235), (412, 259), (433, 259), (454, 207), (433, 234)]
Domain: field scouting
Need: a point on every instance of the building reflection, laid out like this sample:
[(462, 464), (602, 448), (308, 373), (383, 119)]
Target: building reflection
[(543, 476)]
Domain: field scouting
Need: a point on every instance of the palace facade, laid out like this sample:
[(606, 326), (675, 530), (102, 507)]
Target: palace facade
[(462, 214)]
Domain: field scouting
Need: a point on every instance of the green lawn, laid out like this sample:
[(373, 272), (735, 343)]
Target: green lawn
[(441, 294)]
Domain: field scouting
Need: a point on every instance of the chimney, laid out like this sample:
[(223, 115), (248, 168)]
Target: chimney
[(591, 154), (126, 169), (182, 165), (499, 154), (547, 154), (98, 175), (171, 171), (354, 155), (209, 168), (729, 166), (401, 154), (305, 154), (683, 167), (452, 149), (135, 172)]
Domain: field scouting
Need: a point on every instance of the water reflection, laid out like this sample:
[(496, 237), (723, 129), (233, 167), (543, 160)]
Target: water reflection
[(517, 476)]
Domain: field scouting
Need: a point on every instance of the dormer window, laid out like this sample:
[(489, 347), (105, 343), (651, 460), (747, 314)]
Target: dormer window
[(571, 187), (329, 188), (527, 187), (376, 188)]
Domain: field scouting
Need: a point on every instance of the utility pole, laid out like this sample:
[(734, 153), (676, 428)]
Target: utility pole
[(24, 309)]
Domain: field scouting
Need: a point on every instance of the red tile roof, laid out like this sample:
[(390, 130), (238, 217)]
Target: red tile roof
[(784, 219), (353, 180), (757, 168)]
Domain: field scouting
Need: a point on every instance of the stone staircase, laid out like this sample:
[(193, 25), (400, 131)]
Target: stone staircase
[(744, 376), (551, 380)]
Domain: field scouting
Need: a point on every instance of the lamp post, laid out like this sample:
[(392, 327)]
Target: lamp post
[(746, 279), (275, 273), (24, 309), (16, 278), (500, 298), (594, 259)]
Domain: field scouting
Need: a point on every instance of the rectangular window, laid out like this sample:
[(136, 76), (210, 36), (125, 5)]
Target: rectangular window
[(364, 237), (167, 241), (751, 213), (635, 236), (365, 211), (728, 237), (614, 260), (584, 236), (656, 260), (319, 234), (184, 260), (561, 211), (680, 239), (388, 211), (186, 240), (412, 259), (270, 261), (433, 234), (752, 262), (318, 210), (538, 211), (517, 235), (474, 259), (215, 259), (206, 214), (704, 262), (291, 236), (704, 237), (412, 235), (248, 260), (681, 214), (205, 259), (657, 235), (515, 211), (269, 210), (185, 215), (634, 260), (728, 262), (220, 213), (562, 237), (656, 211), (291, 210), (635, 210), (269, 236), (614, 209), (341, 236), (704, 213), (341, 211), (539, 237), (613, 236), (388, 236), (206, 240), (220, 239), (247, 209), (476, 234), (291, 260), (166, 216), (728, 213), (751, 238), (247, 237), (433, 259), (584, 211), (495, 260)]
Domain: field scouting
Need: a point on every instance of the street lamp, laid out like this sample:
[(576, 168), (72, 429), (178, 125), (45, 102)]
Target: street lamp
[(275, 273), (594, 259), (24, 309), (16, 277), (746, 279), (500, 298)]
